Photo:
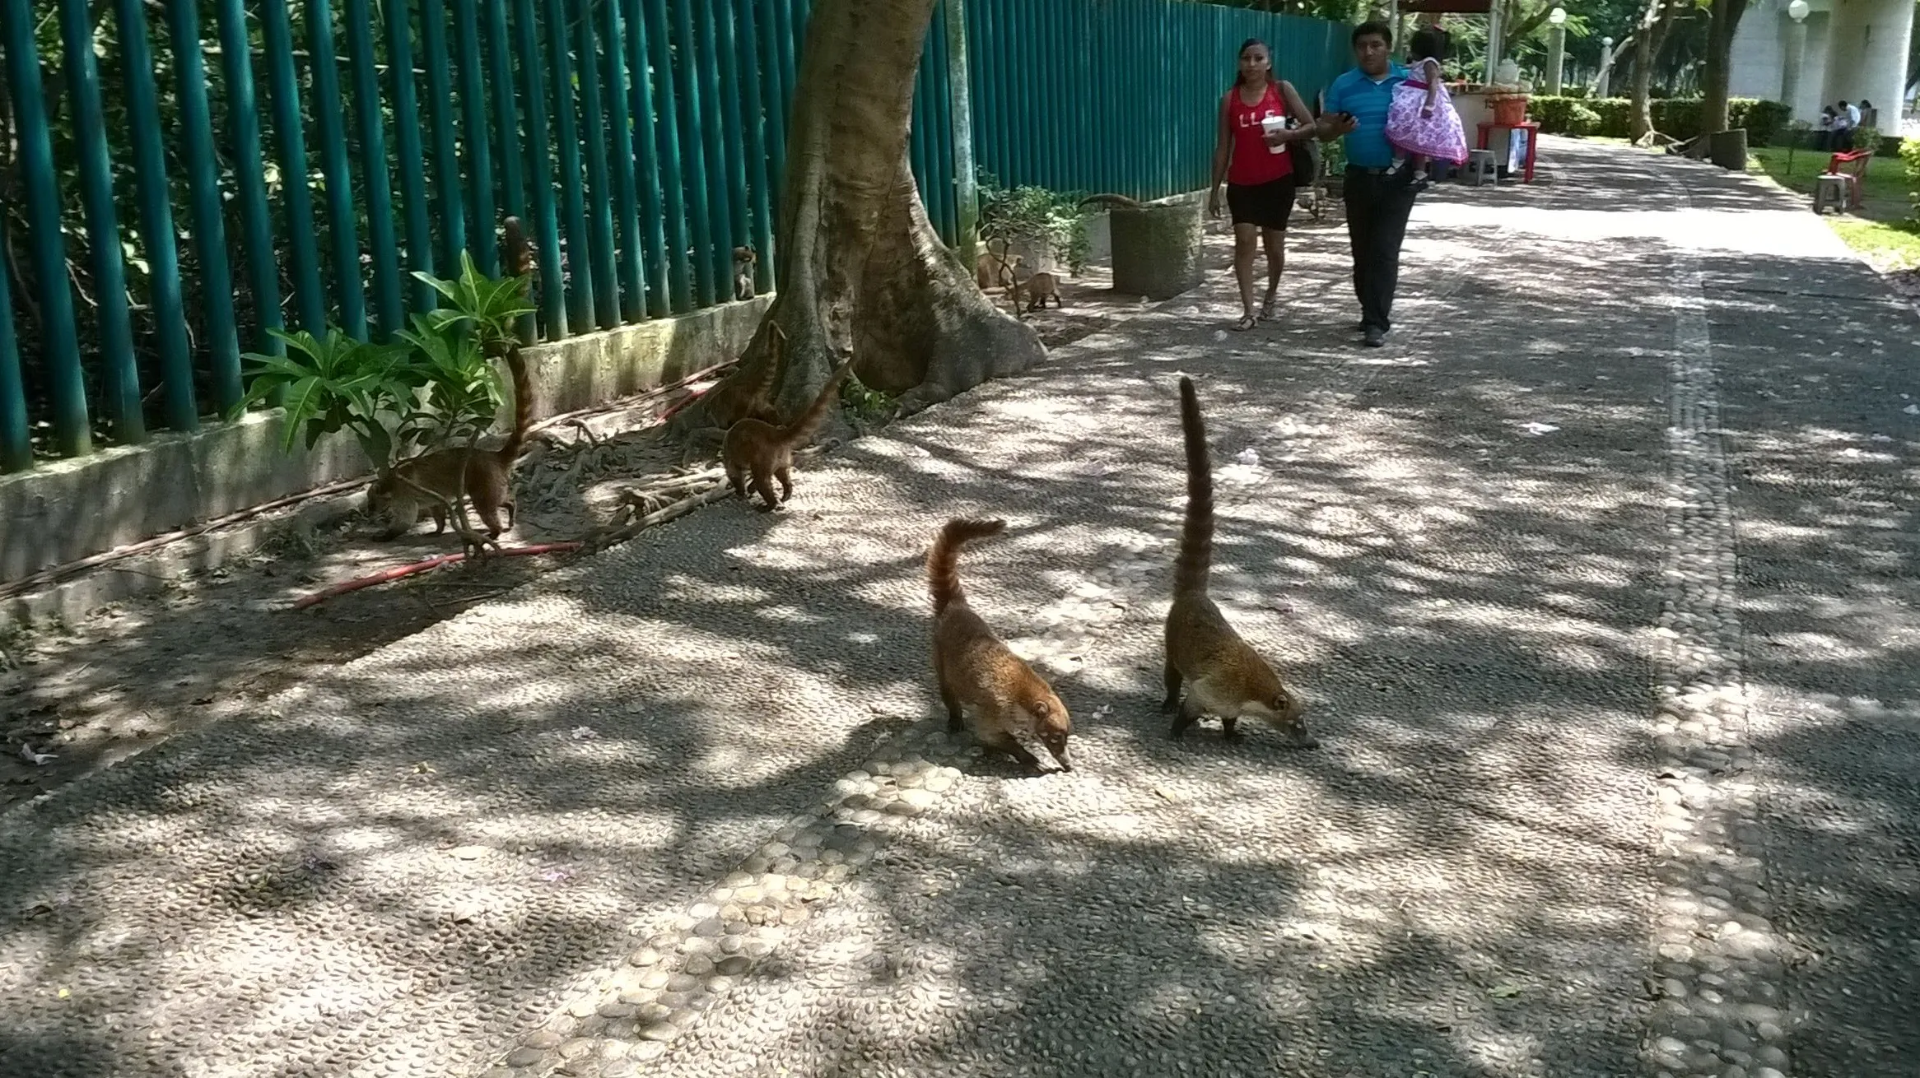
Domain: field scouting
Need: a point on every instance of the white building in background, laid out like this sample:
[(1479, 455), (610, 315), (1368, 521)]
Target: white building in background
[(1846, 50)]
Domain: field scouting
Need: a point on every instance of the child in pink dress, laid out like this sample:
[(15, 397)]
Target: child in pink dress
[(1421, 123)]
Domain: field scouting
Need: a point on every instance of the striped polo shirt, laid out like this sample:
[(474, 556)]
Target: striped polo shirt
[(1368, 101)]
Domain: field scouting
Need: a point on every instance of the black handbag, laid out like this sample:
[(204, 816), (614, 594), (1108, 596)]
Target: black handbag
[(1300, 152)]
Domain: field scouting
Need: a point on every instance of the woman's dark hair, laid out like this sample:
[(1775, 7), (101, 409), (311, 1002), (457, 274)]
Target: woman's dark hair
[(1372, 28), (1429, 41), (1249, 43)]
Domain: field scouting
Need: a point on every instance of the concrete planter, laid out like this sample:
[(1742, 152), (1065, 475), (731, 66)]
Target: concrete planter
[(1156, 248)]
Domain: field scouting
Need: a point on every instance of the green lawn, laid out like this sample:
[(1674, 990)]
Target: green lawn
[(1883, 232)]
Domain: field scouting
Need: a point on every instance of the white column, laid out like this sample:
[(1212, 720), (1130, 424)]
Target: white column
[(1867, 55), (1796, 56)]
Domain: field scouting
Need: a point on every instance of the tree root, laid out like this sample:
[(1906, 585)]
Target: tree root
[(402, 571), (624, 527)]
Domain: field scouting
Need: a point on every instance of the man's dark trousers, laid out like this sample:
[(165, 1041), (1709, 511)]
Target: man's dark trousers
[(1378, 206)]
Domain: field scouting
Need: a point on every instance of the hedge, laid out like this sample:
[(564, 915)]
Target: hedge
[(1612, 117)]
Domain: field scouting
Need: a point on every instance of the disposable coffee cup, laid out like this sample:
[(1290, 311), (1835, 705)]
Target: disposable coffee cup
[(1270, 124)]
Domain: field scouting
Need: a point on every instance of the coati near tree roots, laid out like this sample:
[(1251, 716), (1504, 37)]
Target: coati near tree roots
[(1224, 676), (436, 482), (978, 672), (1036, 289), (758, 449)]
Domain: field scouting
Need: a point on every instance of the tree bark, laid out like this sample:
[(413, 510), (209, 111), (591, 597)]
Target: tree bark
[(1713, 108), (1649, 39), (859, 266)]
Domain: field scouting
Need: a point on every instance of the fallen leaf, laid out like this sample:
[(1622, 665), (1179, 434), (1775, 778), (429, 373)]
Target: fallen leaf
[(1504, 991)]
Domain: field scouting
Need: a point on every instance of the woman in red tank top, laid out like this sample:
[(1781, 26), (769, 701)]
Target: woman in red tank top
[(1252, 159)]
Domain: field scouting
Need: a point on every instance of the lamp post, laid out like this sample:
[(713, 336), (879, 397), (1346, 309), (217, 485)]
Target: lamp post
[(1796, 52), (1602, 86), (1557, 47)]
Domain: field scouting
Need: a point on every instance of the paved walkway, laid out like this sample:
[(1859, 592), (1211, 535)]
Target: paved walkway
[(1600, 580)]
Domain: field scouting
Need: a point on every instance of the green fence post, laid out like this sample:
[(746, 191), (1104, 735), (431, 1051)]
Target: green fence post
[(553, 306), (209, 225), (324, 68), (283, 95), (446, 160), (566, 137), (626, 195), (471, 67), (120, 373), (667, 131), (606, 286), (714, 130), (754, 121), (250, 185), (733, 122), (506, 119), (156, 218), (16, 444), (646, 145), (775, 107), (373, 161), (412, 155), (694, 176)]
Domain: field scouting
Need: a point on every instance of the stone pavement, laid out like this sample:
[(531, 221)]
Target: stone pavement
[(1599, 580)]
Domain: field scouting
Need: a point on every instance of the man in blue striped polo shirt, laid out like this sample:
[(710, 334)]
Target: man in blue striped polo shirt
[(1378, 201)]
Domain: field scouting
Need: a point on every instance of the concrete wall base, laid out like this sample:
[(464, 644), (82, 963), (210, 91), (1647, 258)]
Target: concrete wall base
[(71, 509)]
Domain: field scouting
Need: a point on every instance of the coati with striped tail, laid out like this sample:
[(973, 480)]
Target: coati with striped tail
[(975, 670), (763, 451), (1224, 676), (435, 482)]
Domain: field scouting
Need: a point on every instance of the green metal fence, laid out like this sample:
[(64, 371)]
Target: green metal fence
[(178, 189)]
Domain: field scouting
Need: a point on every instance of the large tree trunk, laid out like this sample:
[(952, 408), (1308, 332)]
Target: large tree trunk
[(1713, 109), (1649, 39), (859, 265)]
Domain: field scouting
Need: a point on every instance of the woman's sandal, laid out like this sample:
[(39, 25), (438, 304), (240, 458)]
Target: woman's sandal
[(1267, 312), (1246, 323)]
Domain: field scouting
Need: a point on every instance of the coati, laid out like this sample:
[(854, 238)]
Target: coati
[(1037, 288), (1112, 200), (743, 263), (435, 482), (975, 670), (757, 448), (1224, 676), (993, 267)]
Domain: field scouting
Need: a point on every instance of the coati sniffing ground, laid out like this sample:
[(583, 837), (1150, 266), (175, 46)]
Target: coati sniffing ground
[(1224, 676), (762, 451), (977, 672)]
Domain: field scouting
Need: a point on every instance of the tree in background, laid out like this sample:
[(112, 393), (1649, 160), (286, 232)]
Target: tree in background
[(1649, 40), (1725, 19)]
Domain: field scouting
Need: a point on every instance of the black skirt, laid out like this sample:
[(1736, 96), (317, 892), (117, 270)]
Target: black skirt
[(1265, 205)]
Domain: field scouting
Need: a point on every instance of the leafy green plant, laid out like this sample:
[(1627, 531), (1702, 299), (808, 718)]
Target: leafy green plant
[(867, 404), (1910, 157), (1034, 217), (432, 386)]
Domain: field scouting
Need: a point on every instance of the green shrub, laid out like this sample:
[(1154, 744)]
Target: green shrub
[(1612, 117), (1910, 156)]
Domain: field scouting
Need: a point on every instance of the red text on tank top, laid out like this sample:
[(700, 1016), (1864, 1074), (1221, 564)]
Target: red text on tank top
[(1253, 161)]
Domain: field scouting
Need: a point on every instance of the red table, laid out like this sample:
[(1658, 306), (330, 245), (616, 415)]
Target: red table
[(1531, 127)]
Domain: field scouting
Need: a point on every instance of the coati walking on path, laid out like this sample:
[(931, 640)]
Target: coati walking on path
[(435, 482), (1036, 289), (975, 670), (1224, 676), (757, 448)]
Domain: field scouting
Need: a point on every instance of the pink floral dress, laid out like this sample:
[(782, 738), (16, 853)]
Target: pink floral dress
[(1438, 136)]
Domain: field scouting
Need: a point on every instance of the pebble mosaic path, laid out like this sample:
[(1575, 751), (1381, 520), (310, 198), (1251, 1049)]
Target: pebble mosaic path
[(1598, 580)]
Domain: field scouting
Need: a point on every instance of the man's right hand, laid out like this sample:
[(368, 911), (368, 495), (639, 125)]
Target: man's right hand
[(1334, 124)]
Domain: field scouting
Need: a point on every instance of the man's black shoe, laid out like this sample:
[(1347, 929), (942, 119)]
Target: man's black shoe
[(1375, 337)]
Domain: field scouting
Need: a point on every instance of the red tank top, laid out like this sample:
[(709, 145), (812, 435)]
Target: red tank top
[(1253, 160)]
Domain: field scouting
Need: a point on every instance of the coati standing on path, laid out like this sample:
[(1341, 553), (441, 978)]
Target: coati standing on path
[(743, 262), (1036, 288), (1224, 676), (758, 448), (976, 670), (435, 482)]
